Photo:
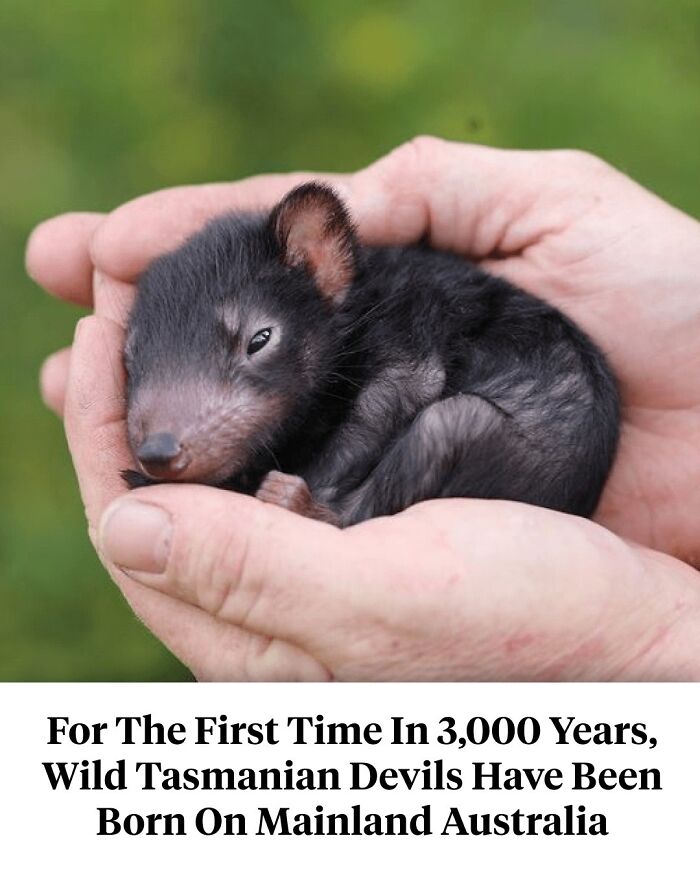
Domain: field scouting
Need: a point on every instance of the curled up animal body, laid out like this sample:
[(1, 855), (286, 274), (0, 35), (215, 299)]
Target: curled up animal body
[(273, 354)]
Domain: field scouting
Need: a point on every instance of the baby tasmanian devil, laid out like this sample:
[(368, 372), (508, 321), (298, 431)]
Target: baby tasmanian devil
[(275, 355)]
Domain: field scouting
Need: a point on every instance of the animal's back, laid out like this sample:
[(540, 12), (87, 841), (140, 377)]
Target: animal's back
[(539, 392)]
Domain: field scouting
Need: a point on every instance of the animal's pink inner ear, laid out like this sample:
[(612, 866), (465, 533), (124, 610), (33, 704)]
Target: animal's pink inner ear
[(315, 232)]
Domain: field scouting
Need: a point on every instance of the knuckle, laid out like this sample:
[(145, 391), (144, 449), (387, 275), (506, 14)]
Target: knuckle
[(99, 243), (417, 152), (211, 569), (404, 178), (82, 325), (81, 397), (583, 161), (228, 570)]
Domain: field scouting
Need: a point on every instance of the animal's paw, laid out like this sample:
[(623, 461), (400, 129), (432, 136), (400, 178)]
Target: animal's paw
[(134, 479), (292, 493), (285, 490)]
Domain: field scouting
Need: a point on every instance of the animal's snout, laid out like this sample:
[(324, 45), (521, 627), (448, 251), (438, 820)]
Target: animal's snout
[(162, 456)]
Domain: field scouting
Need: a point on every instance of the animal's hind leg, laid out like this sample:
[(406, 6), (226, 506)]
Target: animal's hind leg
[(459, 446)]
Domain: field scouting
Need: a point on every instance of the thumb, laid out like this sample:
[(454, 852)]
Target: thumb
[(252, 564), (474, 200)]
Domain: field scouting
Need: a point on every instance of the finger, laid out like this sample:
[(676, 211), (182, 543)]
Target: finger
[(113, 299), (212, 649), (95, 427), (138, 231), (243, 561), (95, 412), (465, 198), (462, 196), (473, 200), (53, 380), (58, 256), (96, 432)]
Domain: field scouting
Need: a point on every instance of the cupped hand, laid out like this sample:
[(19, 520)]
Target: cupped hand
[(486, 589), (446, 590)]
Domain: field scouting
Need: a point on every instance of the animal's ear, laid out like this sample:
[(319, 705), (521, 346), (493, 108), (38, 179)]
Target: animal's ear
[(314, 231)]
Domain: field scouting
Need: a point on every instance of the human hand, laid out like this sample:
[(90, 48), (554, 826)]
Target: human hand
[(391, 209), (622, 263), (446, 590), (619, 261)]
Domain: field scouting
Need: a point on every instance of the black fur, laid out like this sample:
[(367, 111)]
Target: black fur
[(424, 378)]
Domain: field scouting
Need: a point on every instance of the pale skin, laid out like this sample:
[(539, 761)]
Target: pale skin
[(453, 590)]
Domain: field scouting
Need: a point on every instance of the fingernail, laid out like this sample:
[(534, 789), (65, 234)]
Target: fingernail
[(136, 536)]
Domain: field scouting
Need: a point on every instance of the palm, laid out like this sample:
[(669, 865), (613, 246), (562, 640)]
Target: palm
[(644, 311), (650, 496)]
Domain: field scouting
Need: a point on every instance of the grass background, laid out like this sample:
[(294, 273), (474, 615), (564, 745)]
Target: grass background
[(101, 100)]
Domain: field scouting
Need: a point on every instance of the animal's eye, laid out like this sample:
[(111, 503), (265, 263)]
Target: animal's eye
[(259, 340)]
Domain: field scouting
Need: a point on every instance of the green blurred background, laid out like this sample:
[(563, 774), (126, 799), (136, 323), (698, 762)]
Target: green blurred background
[(102, 100)]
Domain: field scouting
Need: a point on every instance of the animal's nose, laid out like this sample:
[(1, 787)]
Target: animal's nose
[(162, 456)]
